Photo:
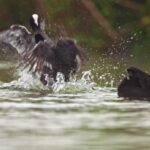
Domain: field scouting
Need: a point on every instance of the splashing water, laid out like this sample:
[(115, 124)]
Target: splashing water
[(109, 68), (104, 72), (27, 81), (74, 86)]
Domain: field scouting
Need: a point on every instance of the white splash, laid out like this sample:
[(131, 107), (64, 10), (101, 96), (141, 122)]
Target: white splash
[(75, 85), (25, 81)]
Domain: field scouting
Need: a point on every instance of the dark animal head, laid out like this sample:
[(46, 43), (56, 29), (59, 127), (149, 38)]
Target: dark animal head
[(133, 72)]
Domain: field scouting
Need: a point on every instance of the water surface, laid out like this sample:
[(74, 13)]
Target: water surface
[(77, 115)]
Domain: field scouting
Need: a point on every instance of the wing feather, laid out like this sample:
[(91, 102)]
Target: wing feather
[(39, 57)]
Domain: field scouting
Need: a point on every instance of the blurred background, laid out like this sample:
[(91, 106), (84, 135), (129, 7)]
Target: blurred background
[(114, 33), (82, 115)]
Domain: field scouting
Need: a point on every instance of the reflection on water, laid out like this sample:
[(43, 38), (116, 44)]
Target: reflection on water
[(74, 115)]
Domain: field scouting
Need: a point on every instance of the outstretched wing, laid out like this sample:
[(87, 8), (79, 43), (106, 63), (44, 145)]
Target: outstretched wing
[(40, 59), (18, 37)]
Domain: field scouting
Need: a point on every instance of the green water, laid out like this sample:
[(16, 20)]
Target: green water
[(77, 115)]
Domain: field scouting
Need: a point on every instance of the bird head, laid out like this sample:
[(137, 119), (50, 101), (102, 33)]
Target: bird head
[(35, 22)]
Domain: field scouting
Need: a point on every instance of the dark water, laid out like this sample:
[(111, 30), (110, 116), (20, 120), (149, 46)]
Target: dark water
[(77, 115)]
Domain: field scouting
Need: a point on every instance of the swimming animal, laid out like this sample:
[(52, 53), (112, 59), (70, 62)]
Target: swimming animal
[(136, 85)]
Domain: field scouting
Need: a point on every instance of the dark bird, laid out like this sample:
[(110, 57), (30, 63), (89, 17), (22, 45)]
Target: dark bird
[(49, 58), (42, 55), (136, 85)]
